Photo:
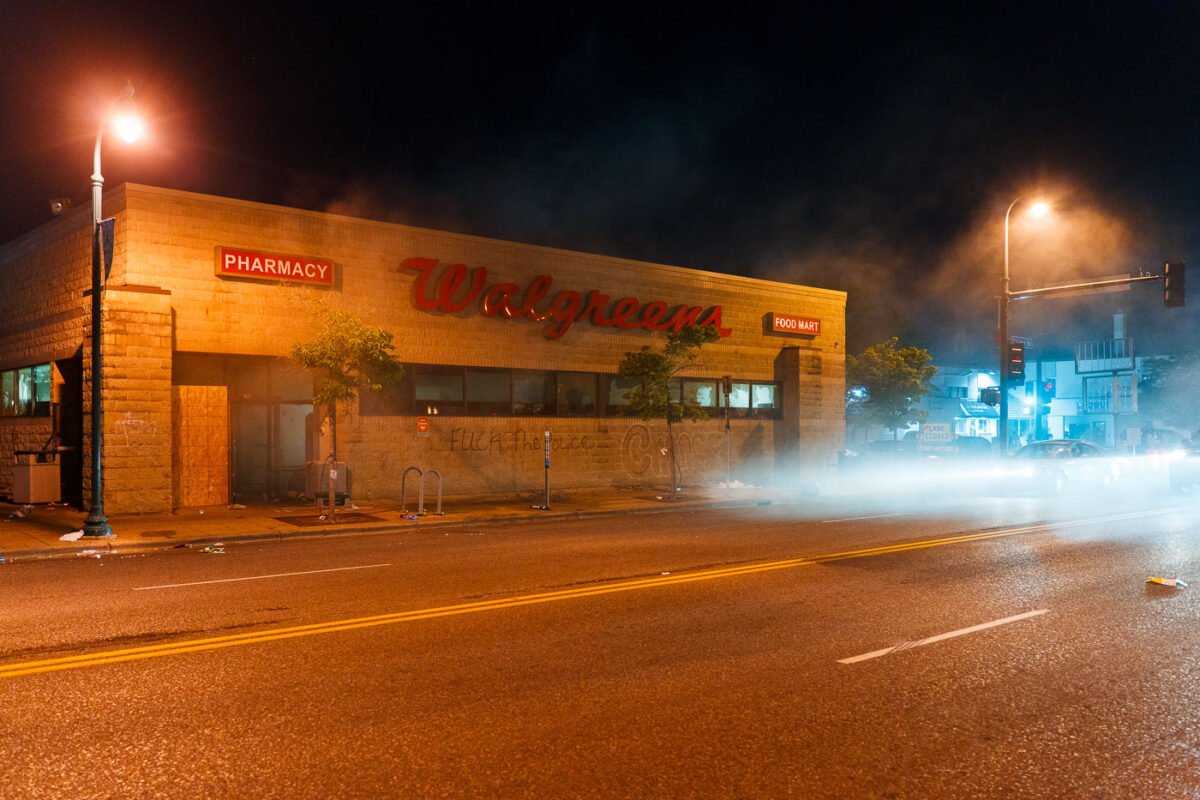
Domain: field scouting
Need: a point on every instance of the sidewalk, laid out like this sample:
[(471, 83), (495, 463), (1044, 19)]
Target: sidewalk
[(28, 532)]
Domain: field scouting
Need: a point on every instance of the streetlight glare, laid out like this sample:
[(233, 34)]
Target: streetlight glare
[(1039, 209), (128, 126)]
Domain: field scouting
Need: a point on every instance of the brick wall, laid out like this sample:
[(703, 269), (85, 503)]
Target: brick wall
[(488, 455), (136, 347), (165, 297)]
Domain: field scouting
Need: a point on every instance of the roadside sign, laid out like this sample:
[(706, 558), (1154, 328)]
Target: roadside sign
[(936, 436), (422, 424)]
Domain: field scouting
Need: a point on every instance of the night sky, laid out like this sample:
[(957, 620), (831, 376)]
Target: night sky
[(866, 147)]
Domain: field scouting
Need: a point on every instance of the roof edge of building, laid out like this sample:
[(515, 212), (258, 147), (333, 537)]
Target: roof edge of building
[(134, 188)]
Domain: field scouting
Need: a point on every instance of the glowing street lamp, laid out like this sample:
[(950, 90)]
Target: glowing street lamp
[(1038, 208), (128, 125)]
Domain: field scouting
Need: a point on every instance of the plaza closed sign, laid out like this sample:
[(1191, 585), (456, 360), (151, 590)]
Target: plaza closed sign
[(936, 436)]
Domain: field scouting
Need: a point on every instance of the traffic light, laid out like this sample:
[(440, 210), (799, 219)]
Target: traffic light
[(1016, 361), (1045, 395), (1174, 273)]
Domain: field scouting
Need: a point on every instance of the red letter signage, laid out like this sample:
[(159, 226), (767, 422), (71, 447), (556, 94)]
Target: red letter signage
[(782, 323), (274, 267), (454, 291)]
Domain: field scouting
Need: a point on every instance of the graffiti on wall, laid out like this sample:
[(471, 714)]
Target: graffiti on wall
[(645, 453), (464, 440), (133, 430)]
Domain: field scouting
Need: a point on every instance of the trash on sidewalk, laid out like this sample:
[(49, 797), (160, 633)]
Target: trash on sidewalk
[(237, 507), (21, 513), (213, 548), (1177, 582), (73, 536), (183, 546)]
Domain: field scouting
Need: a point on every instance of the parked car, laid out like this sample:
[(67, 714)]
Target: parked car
[(1057, 465), (973, 447), (1184, 469), (891, 450)]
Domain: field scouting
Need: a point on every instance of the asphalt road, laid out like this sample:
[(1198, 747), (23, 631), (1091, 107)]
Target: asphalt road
[(993, 648)]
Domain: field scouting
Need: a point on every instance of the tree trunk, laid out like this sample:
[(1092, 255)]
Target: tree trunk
[(333, 456), (676, 473)]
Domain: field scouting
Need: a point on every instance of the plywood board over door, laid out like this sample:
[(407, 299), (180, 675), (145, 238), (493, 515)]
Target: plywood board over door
[(200, 432)]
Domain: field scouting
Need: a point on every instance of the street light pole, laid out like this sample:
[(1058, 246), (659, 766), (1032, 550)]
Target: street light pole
[(1005, 296), (96, 525), (1039, 209)]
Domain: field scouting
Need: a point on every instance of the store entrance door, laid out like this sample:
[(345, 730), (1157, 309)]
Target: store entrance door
[(251, 452), (268, 450)]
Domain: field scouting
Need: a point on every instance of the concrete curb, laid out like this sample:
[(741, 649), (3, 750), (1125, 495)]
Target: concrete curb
[(119, 547)]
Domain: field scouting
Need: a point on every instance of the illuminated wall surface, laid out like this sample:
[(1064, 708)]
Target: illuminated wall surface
[(211, 292)]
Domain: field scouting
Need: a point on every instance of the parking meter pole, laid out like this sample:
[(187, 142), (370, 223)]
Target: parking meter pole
[(546, 506), (727, 385)]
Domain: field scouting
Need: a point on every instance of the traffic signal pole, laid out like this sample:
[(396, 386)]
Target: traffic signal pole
[(1172, 276)]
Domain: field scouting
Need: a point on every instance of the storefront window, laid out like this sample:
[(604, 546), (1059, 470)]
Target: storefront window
[(427, 389), (576, 394), (8, 391), (615, 394), (700, 393), (438, 390), (533, 393), (763, 395), (392, 400), (739, 399), (488, 392), (41, 390), (25, 392)]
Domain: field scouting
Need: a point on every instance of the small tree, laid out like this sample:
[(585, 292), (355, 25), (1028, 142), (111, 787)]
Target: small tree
[(884, 384), (654, 373), (347, 357)]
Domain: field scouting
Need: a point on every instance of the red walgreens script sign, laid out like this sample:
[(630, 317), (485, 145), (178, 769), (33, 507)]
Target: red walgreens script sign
[(274, 267), (782, 323), (459, 287)]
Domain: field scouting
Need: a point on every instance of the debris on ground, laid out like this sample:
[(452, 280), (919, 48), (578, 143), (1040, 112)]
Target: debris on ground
[(1178, 582), (213, 548), (21, 513), (237, 507), (73, 536), (183, 546)]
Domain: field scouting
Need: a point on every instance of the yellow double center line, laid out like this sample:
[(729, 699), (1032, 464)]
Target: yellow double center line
[(236, 640)]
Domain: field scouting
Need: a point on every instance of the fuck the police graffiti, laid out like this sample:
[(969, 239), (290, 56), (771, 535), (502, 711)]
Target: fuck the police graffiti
[(463, 440), (459, 287)]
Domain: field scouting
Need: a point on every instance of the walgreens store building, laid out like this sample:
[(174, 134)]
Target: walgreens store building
[(502, 342)]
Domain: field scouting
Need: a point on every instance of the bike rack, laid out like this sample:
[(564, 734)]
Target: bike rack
[(439, 477), (404, 494), (420, 491)]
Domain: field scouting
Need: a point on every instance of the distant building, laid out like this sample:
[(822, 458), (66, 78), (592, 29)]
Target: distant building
[(1093, 396)]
